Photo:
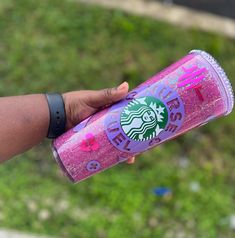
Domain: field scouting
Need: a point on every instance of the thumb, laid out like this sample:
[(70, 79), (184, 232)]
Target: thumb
[(110, 95)]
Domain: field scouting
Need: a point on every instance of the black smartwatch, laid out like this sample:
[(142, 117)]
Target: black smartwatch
[(57, 115)]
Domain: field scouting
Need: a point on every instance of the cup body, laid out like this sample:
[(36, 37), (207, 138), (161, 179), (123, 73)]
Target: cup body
[(185, 95)]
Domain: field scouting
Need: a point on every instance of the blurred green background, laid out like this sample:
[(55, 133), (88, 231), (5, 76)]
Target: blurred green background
[(59, 45)]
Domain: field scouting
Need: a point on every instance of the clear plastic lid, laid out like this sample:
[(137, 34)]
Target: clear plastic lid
[(222, 75)]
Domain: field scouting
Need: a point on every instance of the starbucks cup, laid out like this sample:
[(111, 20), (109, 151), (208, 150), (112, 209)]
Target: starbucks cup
[(187, 94)]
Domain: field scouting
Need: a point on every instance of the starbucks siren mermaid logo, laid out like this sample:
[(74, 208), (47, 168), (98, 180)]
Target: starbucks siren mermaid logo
[(144, 118)]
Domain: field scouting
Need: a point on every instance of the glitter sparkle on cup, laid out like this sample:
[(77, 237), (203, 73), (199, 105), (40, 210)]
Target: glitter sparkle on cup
[(202, 94)]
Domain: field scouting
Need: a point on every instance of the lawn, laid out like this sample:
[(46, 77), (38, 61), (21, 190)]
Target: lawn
[(60, 45)]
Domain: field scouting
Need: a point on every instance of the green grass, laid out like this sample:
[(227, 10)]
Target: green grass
[(58, 45)]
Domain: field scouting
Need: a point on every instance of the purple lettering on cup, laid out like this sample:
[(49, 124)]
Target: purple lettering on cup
[(148, 116)]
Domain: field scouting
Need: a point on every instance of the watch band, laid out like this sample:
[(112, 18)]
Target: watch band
[(57, 115)]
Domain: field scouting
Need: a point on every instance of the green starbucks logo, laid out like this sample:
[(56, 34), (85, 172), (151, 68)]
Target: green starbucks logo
[(144, 118)]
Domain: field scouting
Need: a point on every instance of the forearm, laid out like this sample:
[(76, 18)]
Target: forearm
[(24, 123)]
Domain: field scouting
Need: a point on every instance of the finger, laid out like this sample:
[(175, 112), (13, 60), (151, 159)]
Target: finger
[(109, 95), (131, 160)]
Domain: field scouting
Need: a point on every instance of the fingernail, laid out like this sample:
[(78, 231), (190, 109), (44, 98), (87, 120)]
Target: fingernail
[(122, 86), (131, 160)]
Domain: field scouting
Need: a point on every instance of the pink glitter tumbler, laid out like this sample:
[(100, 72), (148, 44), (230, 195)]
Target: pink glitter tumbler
[(187, 94)]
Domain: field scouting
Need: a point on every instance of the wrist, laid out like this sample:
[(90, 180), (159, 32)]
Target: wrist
[(68, 110)]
